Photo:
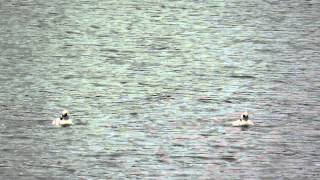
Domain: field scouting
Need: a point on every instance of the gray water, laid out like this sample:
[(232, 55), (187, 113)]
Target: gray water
[(153, 85)]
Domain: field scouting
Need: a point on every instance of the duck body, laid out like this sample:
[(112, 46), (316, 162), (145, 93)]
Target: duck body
[(62, 123), (242, 123)]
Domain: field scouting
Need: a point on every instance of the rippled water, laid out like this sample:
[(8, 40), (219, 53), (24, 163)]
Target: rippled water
[(153, 85)]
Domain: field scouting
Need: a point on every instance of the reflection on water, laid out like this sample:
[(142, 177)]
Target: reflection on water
[(153, 85)]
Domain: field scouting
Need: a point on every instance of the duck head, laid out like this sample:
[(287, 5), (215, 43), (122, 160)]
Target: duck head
[(64, 113), (245, 116)]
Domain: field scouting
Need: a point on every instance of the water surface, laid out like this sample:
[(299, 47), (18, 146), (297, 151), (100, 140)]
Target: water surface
[(153, 85)]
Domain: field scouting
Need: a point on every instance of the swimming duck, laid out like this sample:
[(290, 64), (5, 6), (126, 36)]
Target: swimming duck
[(243, 121), (64, 120)]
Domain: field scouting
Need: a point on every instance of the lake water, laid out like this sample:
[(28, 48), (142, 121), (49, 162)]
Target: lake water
[(152, 87)]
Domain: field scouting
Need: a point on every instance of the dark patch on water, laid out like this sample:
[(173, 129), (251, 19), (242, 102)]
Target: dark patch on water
[(243, 76), (228, 158)]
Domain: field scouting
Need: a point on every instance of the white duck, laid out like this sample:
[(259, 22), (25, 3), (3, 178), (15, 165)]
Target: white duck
[(64, 120), (243, 121)]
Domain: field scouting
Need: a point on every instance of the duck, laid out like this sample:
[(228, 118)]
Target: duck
[(243, 121), (63, 121)]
